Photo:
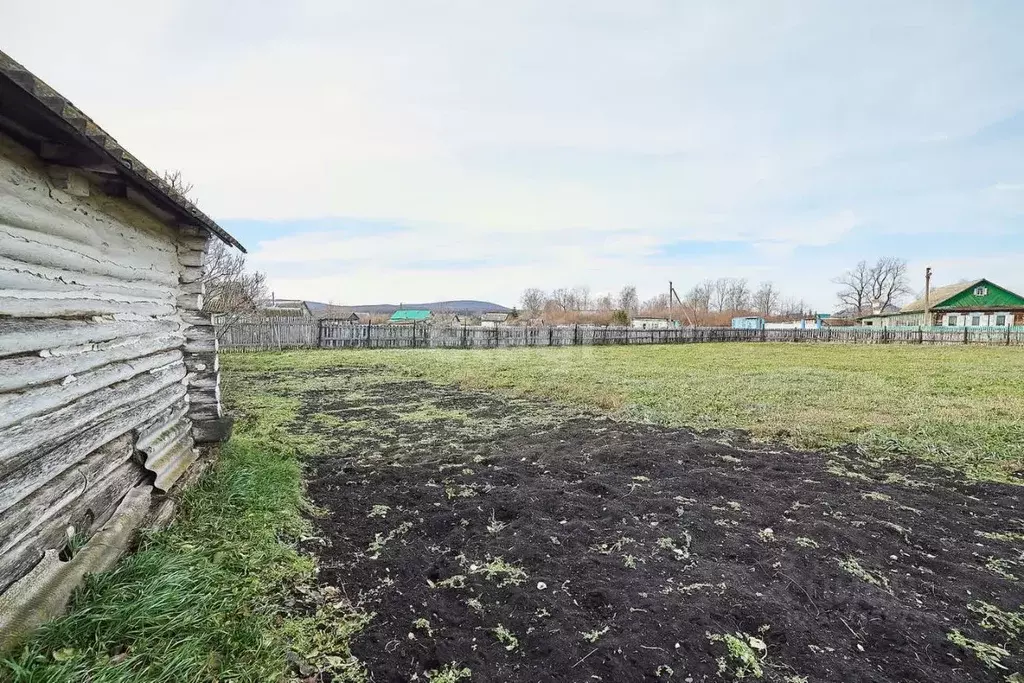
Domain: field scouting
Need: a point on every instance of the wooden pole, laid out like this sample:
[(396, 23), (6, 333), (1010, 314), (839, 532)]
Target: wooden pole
[(671, 291), (927, 294)]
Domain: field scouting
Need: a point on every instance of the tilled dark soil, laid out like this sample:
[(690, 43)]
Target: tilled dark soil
[(524, 542)]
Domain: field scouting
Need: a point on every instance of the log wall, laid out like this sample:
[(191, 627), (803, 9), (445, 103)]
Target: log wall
[(107, 369)]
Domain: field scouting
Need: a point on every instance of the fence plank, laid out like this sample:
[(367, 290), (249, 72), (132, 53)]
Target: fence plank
[(278, 333)]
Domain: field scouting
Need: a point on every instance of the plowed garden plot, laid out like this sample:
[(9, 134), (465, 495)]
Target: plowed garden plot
[(514, 540)]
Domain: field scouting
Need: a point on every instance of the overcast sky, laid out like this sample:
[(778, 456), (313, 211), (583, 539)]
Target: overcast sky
[(406, 151)]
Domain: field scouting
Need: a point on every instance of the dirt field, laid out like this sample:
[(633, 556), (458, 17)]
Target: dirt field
[(510, 539)]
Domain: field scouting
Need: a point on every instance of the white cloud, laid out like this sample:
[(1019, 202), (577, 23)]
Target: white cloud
[(564, 142)]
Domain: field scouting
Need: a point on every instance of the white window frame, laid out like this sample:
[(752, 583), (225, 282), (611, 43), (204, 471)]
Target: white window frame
[(981, 290)]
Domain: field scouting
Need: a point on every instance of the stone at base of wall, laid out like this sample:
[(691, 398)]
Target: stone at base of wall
[(211, 431)]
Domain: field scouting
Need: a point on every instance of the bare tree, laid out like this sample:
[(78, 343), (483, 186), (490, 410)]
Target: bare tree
[(699, 298), (738, 298), (889, 282), (766, 299), (533, 300), (720, 294), (561, 298), (605, 302), (795, 308), (881, 285), (580, 298), (854, 293), (231, 289), (657, 305), (179, 186), (628, 300)]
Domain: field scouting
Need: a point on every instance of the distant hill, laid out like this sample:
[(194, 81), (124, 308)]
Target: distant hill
[(467, 306)]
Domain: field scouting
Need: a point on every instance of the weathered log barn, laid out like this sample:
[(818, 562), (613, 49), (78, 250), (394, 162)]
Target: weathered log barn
[(108, 368)]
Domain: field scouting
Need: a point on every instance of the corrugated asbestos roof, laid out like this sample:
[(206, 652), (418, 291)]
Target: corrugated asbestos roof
[(93, 138)]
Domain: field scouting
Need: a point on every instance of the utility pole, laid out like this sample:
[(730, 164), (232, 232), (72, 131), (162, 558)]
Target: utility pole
[(670, 292), (927, 294)]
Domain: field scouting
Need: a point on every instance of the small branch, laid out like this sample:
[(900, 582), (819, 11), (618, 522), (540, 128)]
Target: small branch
[(584, 657)]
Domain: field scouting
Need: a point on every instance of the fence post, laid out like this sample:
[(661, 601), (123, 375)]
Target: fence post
[(368, 335), (965, 333), (920, 335), (576, 334)]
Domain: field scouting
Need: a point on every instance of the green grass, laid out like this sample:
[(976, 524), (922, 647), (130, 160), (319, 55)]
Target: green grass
[(956, 406), (201, 601)]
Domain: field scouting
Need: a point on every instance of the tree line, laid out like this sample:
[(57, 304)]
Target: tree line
[(708, 302)]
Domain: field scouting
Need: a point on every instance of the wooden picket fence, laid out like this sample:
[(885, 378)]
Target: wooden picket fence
[(279, 333)]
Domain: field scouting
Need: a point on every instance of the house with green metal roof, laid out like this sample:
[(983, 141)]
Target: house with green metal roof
[(409, 316), (980, 303)]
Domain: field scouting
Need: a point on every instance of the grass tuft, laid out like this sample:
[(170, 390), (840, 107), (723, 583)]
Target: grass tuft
[(222, 563)]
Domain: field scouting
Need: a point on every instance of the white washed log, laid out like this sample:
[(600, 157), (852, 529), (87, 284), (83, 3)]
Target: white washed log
[(190, 274), (49, 500), (27, 198), (26, 371), (204, 412), (41, 304), (202, 362), (52, 428), (29, 276), (198, 287), (204, 396), (23, 335), (42, 464), (19, 405), (55, 252), (201, 346), (190, 302), (198, 318), (193, 259), (187, 241), (193, 231), (202, 380), (200, 333), (99, 502)]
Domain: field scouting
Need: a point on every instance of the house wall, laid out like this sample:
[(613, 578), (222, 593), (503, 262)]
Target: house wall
[(984, 318), (650, 324), (105, 362), (895, 320)]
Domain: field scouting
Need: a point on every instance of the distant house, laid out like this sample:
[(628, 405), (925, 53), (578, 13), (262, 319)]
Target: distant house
[(653, 324), (410, 316), (980, 303), (750, 322), (493, 319), (449, 318), (800, 324), (286, 308), (347, 317)]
